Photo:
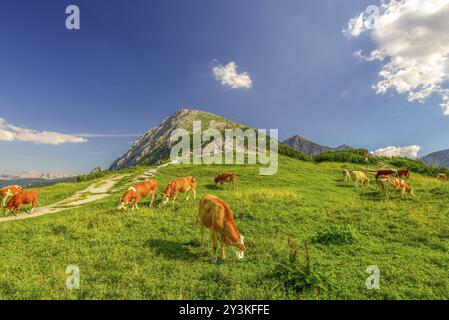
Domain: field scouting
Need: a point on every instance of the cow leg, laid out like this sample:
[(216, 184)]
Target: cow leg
[(202, 235), (153, 197), (215, 244), (222, 248), (194, 194), (188, 195), (175, 196)]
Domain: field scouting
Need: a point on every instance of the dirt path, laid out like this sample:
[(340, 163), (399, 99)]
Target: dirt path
[(94, 192)]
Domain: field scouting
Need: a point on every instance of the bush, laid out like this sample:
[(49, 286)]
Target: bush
[(95, 174), (297, 277), (293, 153), (351, 155), (345, 234)]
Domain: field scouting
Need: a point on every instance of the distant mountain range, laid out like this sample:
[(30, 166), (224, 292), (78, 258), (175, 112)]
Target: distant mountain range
[(35, 175), (153, 146), (310, 148), (35, 179), (439, 158)]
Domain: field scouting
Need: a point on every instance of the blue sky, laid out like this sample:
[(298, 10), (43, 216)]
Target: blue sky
[(133, 63)]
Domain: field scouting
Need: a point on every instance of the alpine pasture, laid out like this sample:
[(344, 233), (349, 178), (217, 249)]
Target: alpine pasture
[(155, 253)]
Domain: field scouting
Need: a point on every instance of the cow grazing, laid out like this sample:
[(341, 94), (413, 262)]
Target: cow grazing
[(177, 186), (22, 198), (385, 172), (138, 191), (442, 177), (396, 183), (8, 192), (403, 173), (359, 177), (346, 176), (229, 177), (215, 214)]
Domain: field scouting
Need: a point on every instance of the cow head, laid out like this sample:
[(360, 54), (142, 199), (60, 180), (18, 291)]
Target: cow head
[(165, 198), (122, 205), (241, 245)]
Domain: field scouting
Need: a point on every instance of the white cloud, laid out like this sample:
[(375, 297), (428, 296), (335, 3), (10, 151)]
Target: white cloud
[(9, 132), (355, 26), (410, 152), (229, 77), (412, 40)]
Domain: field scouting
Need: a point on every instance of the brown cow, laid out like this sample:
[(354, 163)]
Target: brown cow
[(216, 215), (226, 177), (385, 172), (442, 177), (403, 173), (177, 186), (396, 183), (7, 192), (21, 198), (139, 190)]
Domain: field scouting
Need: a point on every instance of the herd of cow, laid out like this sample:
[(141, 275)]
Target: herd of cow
[(387, 179), (213, 213)]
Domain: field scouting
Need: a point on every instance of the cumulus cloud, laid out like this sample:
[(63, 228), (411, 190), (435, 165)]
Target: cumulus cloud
[(412, 45), (410, 152), (9, 132), (229, 77)]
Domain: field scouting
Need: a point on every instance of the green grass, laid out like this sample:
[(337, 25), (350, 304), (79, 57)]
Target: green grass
[(155, 253), (60, 191)]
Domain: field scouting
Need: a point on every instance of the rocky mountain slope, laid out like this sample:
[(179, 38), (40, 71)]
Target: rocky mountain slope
[(310, 148), (154, 145), (439, 158)]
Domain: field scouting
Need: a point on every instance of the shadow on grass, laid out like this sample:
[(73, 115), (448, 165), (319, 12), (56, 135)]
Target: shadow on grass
[(213, 187), (344, 185), (173, 250), (371, 196)]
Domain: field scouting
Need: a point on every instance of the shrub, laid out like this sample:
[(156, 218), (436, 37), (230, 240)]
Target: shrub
[(293, 153), (351, 155), (95, 174), (298, 277), (338, 234)]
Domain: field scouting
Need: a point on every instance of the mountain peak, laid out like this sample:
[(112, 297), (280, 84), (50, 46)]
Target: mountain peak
[(310, 148), (153, 146), (438, 159)]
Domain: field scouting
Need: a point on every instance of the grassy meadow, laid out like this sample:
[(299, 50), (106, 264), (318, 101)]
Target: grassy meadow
[(155, 253)]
